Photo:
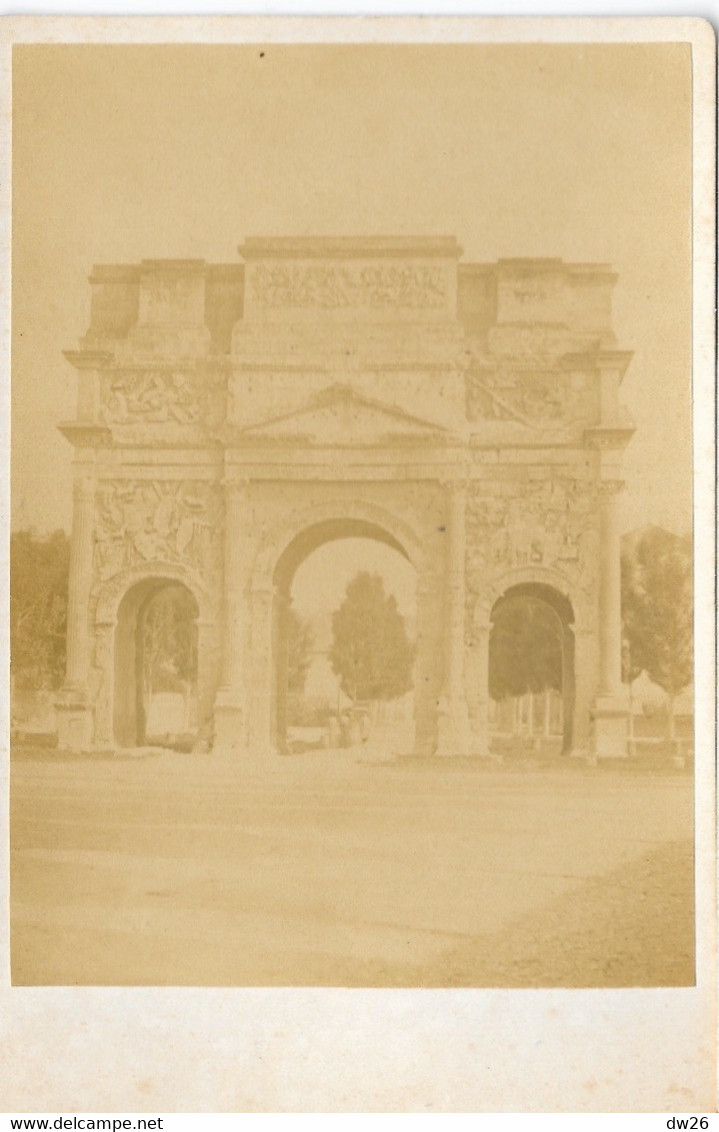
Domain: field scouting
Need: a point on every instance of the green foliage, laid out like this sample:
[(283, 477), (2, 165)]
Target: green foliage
[(371, 652), (300, 643), (657, 609), (525, 648), (633, 663), (169, 638), (39, 570), (305, 711)]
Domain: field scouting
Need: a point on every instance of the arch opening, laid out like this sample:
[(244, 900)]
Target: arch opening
[(343, 642), (156, 665), (531, 669)]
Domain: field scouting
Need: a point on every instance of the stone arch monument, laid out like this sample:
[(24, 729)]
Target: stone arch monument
[(232, 418)]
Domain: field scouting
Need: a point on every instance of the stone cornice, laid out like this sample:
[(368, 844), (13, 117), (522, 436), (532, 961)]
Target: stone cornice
[(131, 272), (537, 265), (514, 436), (600, 359), (336, 457), (242, 365), (85, 434), (89, 359), (145, 445), (294, 446), (133, 363), (609, 436), (114, 273), (193, 266), (613, 359)]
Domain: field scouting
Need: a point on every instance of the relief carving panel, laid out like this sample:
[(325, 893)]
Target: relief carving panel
[(553, 524), (540, 397), (162, 397), (153, 521)]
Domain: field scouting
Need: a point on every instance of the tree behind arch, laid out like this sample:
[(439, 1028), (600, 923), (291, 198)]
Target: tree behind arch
[(657, 612), (169, 630), (39, 570), (525, 648), (371, 652), (300, 645)]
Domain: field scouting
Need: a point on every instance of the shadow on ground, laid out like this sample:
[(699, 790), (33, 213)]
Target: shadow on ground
[(631, 928)]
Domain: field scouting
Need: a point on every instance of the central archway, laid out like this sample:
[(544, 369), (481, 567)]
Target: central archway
[(283, 547), (297, 554)]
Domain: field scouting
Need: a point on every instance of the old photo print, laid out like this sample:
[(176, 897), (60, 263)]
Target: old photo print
[(359, 533)]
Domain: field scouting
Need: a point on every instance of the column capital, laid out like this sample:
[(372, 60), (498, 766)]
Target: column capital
[(264, 589), (609, 489), (235, 483), (455, 483), (84, 486)]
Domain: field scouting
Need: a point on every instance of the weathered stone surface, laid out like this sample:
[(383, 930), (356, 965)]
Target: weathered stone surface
[(233, 417)]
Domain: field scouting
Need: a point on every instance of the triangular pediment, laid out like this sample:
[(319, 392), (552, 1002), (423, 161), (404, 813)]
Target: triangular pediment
[(340, 415)]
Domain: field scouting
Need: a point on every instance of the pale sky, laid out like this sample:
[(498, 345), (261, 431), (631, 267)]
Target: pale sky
[(321, 579), (579, 152)]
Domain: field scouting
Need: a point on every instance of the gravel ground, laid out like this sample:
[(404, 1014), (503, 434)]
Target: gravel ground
[(633, 927)]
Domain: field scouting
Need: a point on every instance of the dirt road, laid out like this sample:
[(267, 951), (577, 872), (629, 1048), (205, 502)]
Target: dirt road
[(182, 870)]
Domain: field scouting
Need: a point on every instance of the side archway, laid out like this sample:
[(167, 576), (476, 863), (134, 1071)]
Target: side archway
[(529, 611), (121, 656), (113, 591)]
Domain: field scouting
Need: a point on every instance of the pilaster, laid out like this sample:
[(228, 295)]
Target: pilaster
[(454, 733), (230, 713), (477, 676), (610, 708), (74, 711)]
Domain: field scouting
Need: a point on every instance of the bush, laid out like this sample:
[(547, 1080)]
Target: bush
[(308, 711)]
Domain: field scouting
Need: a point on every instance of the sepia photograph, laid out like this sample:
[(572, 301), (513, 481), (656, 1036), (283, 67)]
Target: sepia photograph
[(352, 530)]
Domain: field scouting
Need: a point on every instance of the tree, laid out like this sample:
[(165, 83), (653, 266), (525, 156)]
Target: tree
[(39, 571), (169, 640), (632, 662), (300, 643), (657, 613), (371, 652), (525, 648), (168, 629)]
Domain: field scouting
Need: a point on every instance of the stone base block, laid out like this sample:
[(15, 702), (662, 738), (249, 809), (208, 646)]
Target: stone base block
[(229, 726), (611, 728), (455, 737), (75, 721), (582, 754)]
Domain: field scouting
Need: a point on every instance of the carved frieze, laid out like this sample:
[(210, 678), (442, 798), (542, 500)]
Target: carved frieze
[(330, 287), (141, 521), (553, 524), (162, 397), (540, 397)]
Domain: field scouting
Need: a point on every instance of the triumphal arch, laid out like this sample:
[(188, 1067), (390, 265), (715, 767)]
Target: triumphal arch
[(233, 417)]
